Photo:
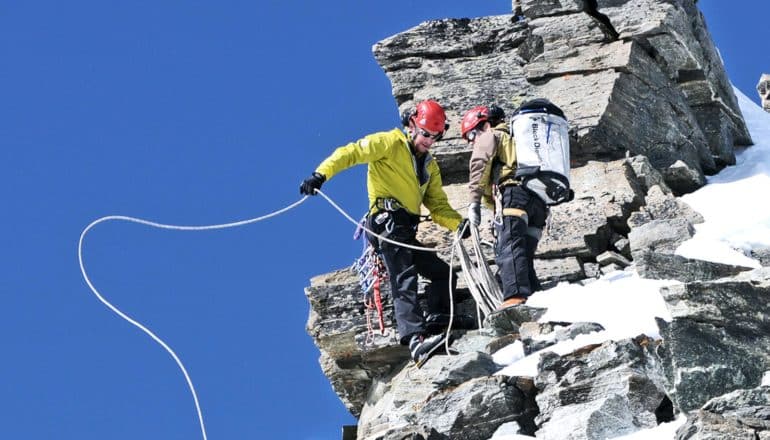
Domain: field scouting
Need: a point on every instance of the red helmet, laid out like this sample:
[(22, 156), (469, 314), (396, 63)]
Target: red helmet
[(430, 116), (472, 118)]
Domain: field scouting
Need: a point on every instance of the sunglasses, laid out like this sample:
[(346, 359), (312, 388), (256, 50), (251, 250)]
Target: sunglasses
[(425, 133)]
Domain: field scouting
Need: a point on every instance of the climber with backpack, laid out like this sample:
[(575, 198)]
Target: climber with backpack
[(518, 170), (402, 176)]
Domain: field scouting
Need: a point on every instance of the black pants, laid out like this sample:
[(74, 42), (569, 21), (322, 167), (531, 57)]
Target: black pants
[(517, 238), (404, 265)]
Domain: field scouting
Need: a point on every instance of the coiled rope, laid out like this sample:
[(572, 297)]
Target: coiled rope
[(235, 224)]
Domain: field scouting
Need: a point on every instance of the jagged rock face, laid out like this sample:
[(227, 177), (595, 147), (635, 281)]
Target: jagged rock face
[(651, 112), (574, 246), (717, 341), (641, 76), (450, 397), (764, 91), (743, 414), (600, 392)]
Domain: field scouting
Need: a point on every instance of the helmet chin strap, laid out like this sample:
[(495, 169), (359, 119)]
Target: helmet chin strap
[(412, 132)]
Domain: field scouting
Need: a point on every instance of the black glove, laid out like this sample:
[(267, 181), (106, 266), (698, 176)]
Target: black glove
[(312, 183), (464, 230)]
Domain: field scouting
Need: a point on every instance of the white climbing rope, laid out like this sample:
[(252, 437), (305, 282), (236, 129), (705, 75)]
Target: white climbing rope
[(381, 237), (479, 278), (160, 341), (136, 323)]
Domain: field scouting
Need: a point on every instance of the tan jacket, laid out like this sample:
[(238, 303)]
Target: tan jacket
[(484, 170)]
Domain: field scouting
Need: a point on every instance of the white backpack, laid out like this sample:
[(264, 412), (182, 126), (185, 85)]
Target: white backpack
[(541, 133)]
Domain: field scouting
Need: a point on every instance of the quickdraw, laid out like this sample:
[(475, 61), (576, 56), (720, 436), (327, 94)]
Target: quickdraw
[(371, 273)]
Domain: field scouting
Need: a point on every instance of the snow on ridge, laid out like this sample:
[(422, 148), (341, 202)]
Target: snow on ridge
[(732, 202)]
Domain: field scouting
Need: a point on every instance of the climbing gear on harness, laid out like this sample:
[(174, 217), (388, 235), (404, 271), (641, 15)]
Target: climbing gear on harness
[(387, 204), (371, 273)]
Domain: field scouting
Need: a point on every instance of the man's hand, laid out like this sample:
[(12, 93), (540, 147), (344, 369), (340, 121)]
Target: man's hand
[(464, 230), (474, 213), (311, 184)]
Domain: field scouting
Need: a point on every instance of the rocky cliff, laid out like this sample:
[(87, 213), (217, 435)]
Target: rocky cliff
[(763, 87), (651, 112)]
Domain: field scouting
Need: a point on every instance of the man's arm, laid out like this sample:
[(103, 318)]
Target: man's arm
[(437, 202), (484, 149)]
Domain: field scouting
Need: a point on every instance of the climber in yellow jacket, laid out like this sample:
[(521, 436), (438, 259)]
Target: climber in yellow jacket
[(402, 176)]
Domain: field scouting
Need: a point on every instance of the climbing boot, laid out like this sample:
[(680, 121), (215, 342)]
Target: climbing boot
[(422, 347), (438, 322)]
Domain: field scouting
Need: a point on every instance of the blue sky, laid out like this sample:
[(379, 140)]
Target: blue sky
[(194, 112)]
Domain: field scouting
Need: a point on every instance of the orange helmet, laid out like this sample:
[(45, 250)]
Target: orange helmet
[(472, 118), (430, 116)]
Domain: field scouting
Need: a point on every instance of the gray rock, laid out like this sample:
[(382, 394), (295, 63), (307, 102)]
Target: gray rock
[(610, 268), (591, 270), (742, 414), (500, 342), (610, 257), (553, 271), (508, 320), (682, 176), (605, 196), (660, 236), (623, 246), (718, 337), (600, 391), (477, 408), (662, 206), (473, 340), (537, 336), (646, 175), (635, 77), (449, 397), (761, 254), (658, 266), (350, 355), (763, 87), (677, 34), (544, 8), (571, 57)]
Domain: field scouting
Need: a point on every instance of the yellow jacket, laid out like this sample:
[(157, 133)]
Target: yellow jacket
[(393, 174)]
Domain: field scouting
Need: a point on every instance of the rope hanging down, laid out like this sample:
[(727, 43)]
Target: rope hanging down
[(479, 277), (156, 338), (136, 323)]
